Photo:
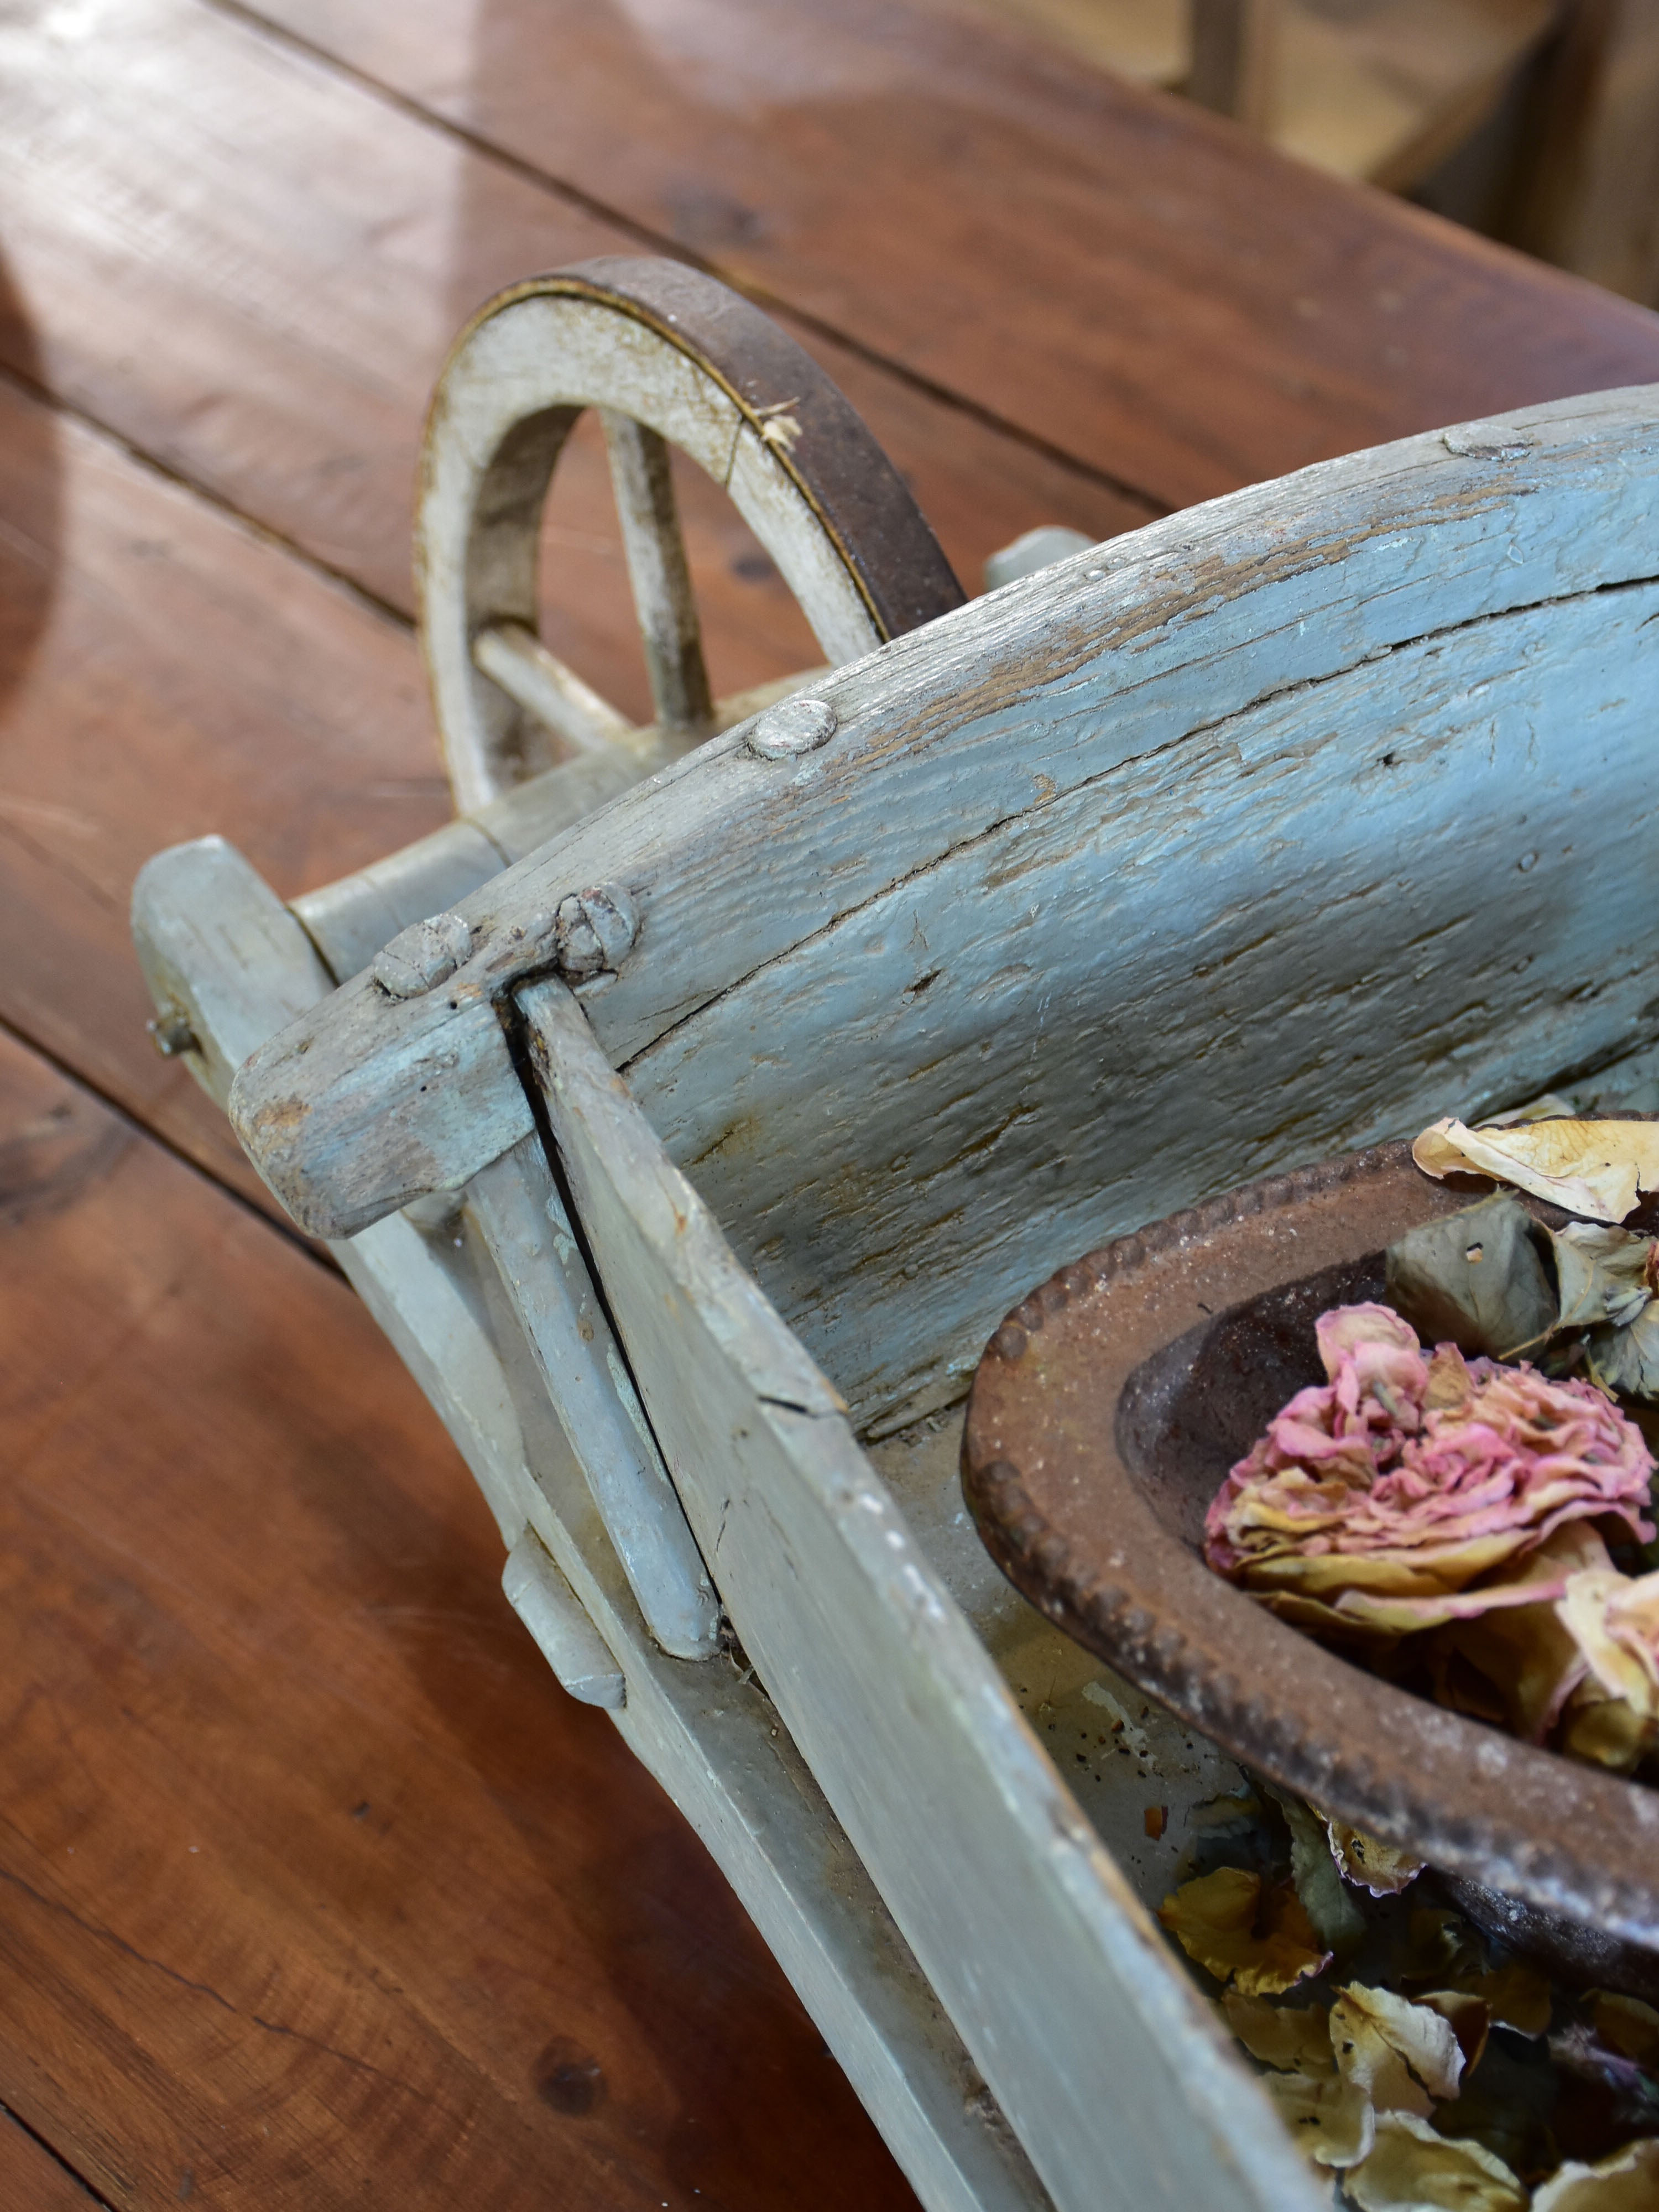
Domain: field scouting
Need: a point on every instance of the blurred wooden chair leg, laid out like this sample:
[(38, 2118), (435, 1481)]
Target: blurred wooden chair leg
[(1590, 202), (1234, 58)]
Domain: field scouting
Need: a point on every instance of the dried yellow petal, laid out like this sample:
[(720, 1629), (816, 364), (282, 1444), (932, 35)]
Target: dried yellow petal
[(1442, 1948), (1517, 1997), (1627, 2026), (1604, 1731), (1469, 2019), (1259, 1939), (1402, 2054), (1598, 1169), (1295, 2039), (1369, 1864), (1331, 2121), (1412, 2169), (1627, 2182), (1615, 1620), (1527, 1652)]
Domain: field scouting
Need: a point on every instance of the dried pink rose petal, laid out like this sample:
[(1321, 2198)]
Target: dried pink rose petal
[(1376, 1499)]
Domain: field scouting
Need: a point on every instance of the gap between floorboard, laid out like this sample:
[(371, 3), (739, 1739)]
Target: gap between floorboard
[(48, 2149), (43, 395), (277, 1223), (654, 241)]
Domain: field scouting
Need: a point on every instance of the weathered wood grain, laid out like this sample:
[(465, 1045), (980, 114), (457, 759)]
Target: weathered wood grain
[(522, 1221), (444, 1301), (350, 919), (1320, 923), (314, 1888), (1036, 1944), (971, 733), (1136, 282)]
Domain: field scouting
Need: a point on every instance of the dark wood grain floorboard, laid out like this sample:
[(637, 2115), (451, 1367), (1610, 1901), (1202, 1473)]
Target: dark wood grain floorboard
[(167, 672), (312, 1879), (32, 2180), (252, 268), (314, 1889), (1117, 273)]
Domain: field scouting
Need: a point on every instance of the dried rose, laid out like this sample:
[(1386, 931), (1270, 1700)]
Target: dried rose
[(1376, 1498), (1532, 1663)]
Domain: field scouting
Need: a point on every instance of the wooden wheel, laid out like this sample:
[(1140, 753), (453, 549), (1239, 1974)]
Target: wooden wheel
[(669, 358)]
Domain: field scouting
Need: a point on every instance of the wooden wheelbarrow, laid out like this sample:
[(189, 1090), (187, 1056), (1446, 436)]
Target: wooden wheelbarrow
[(690, 1109)]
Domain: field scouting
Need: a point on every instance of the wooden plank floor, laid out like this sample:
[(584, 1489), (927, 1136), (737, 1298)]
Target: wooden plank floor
[(314, 1889)]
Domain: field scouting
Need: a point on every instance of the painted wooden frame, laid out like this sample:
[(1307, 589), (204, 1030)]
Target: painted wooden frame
[(1159, 782), (1343, 776), (217, 939)]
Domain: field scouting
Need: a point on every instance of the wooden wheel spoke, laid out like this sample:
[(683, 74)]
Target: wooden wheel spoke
[(512, 656), (628, 340), (658, 571)]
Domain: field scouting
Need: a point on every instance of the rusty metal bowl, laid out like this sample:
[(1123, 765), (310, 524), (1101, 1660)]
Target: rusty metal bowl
[(1104, 1415)]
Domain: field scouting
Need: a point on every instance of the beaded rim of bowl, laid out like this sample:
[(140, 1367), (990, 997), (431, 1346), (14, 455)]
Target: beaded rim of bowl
[(1068, 1520)]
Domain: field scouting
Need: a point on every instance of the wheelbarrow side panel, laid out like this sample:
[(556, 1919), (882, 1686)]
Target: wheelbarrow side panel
[(1019, 1916), (990, 715), (1413, 888), (242, 965)]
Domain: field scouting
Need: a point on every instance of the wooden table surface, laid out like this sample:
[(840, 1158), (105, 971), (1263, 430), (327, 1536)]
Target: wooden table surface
[(315, 1890)]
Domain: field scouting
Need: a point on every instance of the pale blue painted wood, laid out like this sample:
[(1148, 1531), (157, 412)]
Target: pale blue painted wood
[(521, 1218), (1424, 886), (221, 948), (993, 713), (1107, 2063)]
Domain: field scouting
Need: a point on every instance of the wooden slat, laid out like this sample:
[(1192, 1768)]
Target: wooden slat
[(167, 672), (1141, 284), (661, 578), (522, 1219), (314, 1888), (710, 1735), (272, 326), (1093, 2042), (989, 736), (32, 2180)]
